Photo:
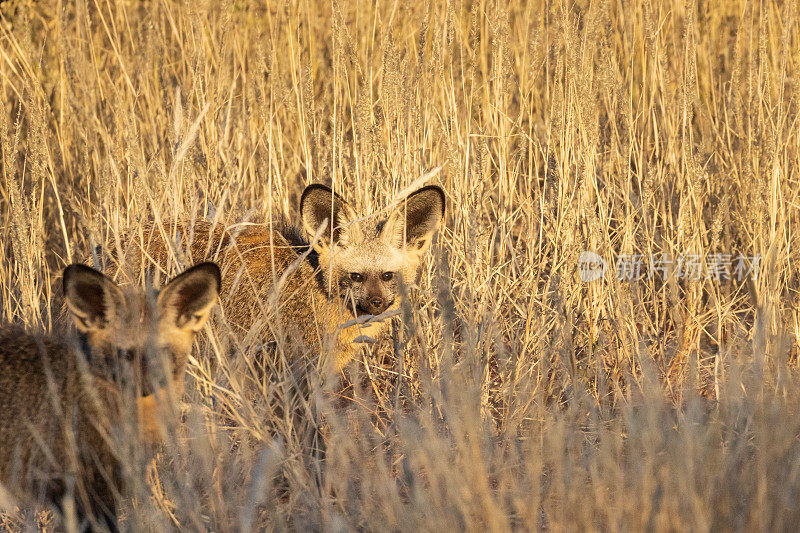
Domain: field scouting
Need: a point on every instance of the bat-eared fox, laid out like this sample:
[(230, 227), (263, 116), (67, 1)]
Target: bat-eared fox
[(330, 283), (64, 395)]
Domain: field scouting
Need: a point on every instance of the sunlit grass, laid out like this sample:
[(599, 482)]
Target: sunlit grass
[(513, 395)]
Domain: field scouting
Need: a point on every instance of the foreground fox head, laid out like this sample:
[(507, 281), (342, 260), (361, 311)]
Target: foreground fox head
[(118, 328), (367, 257)]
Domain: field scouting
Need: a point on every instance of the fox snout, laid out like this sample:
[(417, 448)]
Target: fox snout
[(374, 305), (375, 299)]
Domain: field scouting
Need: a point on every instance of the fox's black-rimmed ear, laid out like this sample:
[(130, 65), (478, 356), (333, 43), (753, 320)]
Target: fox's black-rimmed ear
[(318, 204), (92, 298), (414, 222), (188, 298)]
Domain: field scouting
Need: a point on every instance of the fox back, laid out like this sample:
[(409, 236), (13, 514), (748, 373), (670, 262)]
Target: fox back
[(62, 395), (331, 283)]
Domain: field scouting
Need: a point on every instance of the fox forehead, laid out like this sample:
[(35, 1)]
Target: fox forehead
[(370, 256), (134, 323), (138, 323), (366, 250)]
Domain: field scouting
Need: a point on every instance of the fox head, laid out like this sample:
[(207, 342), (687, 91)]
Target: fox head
[(366, 258), (119, 328)]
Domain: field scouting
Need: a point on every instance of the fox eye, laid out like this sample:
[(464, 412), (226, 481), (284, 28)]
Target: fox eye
[(387, 276), (355, 276)]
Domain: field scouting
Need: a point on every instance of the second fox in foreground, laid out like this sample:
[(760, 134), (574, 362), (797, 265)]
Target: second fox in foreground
[(64, 398)]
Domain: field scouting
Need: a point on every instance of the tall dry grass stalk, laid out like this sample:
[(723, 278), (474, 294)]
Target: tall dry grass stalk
[(512, 394)]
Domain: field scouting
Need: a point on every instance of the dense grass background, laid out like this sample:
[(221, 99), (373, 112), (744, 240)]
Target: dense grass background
[(512, 395)]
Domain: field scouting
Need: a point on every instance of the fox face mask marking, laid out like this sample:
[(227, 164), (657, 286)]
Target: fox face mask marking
[(365, 259)]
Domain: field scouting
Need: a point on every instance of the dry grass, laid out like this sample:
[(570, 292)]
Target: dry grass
[(513, 395)]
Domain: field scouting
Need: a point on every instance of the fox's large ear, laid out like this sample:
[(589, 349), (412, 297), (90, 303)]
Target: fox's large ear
[(187, 299), (319, 204), (92, 299), (414, 221)]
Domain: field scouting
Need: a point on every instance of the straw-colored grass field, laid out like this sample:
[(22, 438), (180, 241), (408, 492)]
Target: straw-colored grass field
[(511, 395)]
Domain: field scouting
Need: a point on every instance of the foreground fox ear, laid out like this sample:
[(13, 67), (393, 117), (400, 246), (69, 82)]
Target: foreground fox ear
[(319, 204), (92, 299), (187, 299), (413, 223)]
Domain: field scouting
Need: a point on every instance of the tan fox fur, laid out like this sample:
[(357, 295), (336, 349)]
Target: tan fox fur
[(61, 394), (333, 292)]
